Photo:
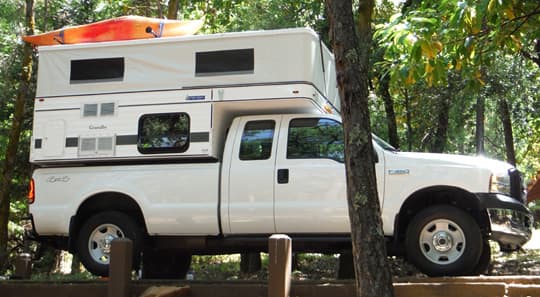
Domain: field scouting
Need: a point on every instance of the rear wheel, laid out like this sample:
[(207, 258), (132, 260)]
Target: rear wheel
[(444, 240), (96, 235)]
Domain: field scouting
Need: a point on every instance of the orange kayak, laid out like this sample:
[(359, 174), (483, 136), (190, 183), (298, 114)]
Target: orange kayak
[(122, 28)]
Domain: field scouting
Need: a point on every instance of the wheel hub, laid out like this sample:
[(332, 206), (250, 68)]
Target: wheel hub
[(100, 241), (106, 244), (442, 241)]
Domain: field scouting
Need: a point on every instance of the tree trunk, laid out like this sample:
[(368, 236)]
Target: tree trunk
[(352, 52), (172, 12), (480, 118), (504, 111), (13, 142), (250, 263), (384, 86), (45, 14), (408, 120), (75, 264), (160, 9), (441, 130)]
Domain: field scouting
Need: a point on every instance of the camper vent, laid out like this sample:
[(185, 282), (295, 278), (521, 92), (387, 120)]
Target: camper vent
[(96, 146), (90, 110), (88, 145), (104, 109), (107, 109), (105, 144)]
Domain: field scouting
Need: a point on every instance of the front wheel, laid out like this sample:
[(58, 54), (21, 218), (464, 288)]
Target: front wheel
[(444, 240), (96, 235)]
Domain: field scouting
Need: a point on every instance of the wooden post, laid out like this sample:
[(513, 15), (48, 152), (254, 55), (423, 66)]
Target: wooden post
[(279, 265), (120, 267)]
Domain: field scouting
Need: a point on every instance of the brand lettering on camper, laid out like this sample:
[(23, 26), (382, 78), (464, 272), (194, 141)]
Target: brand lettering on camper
[(100, 127), (55, 179)]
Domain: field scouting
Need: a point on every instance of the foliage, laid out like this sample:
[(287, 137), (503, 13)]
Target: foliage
[(461, 48)]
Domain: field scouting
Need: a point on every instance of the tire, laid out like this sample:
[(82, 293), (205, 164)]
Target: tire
[(165, 264), (485, 259), (96, 234), (444, 240)]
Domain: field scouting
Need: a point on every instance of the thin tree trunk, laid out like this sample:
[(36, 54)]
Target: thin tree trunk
[(75, 264), (408, 120), (384, 86), (480, 118), (352, 52), (45, 14), (15, 133), (172, 12), (160, 9), (504, 111), (250, 262), (441, 130)]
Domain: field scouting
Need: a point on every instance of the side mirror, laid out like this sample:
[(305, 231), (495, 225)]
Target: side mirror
[(375, 156)]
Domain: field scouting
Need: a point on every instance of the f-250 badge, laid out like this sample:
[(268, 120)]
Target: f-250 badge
[(56, 179)]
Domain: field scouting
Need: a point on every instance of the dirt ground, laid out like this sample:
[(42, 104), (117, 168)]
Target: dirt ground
[(524, 262)]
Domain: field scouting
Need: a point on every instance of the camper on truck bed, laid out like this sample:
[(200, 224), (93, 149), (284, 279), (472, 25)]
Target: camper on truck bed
[(209, 144)]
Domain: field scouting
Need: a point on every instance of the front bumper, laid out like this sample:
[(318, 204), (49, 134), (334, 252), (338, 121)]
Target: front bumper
[(510, 221)]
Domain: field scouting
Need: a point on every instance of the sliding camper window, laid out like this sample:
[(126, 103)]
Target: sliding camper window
[(315, 138), (96, 70), (238, 61), (257, 140), (163, 133)]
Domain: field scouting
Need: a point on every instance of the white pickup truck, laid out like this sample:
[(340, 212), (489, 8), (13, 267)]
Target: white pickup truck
[(249, 145), (285, 174)]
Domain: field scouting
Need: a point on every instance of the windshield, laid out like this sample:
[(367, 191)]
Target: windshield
[(383, 144)]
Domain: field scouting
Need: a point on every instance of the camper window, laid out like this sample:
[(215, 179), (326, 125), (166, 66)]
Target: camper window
[(163, 133), (92, 70), (240, 61)]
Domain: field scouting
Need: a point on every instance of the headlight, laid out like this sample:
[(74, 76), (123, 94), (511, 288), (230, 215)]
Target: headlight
[(500, 183)]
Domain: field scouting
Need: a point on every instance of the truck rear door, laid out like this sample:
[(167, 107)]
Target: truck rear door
[(249, 176)]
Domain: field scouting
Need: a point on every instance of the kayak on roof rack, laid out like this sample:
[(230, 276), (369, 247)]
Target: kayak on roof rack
[(121, 28)]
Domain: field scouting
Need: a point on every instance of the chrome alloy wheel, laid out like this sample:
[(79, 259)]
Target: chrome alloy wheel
[(100, 240), (442, 241)]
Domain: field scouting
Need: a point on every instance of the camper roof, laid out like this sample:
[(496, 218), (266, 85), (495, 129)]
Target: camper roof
[(200, 61)]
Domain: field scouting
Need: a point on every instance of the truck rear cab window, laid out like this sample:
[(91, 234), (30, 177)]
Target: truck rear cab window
[(239, 61), (257, 138), (315, 138), (94, 70), (163, 133)]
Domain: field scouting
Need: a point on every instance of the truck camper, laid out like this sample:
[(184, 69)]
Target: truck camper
[(208, 144)]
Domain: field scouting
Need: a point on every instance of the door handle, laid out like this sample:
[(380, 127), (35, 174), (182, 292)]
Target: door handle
[(283, 176)]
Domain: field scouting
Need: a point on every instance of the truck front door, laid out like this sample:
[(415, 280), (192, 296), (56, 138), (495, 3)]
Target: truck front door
[(312, 198)]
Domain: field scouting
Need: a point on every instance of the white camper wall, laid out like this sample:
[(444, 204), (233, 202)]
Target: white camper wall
[(288, 76), (60, 125), (292, 55)]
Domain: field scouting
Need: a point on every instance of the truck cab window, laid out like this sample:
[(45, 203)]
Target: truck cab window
[(315, 138), (256, 143), (163, 133)]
